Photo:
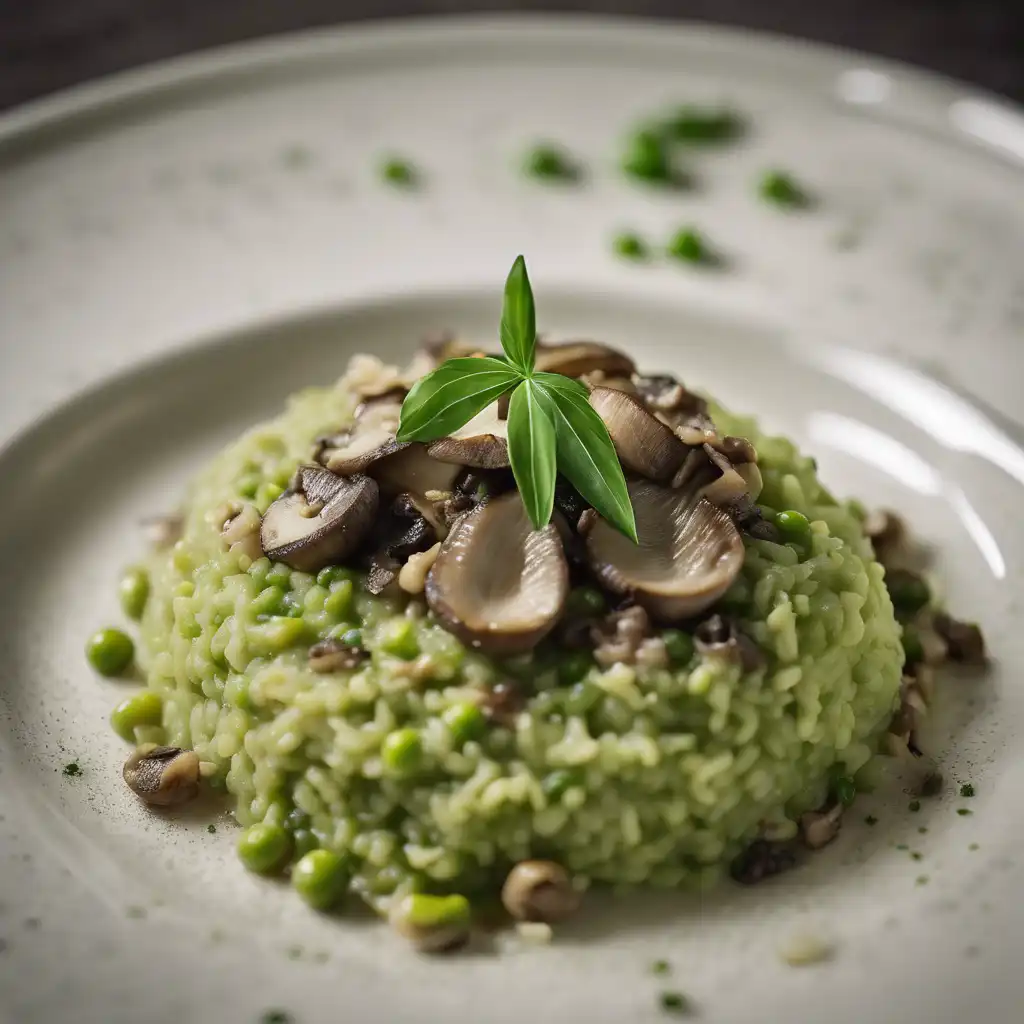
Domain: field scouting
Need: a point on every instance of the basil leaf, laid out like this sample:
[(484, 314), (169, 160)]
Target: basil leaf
[(452, 395), (559, 382), (531, 450), (587, 457), (519, 319)]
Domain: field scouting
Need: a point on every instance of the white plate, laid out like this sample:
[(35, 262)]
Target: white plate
[(173, 215)]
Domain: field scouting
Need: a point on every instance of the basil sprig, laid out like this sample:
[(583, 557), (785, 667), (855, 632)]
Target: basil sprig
[(552, 427)]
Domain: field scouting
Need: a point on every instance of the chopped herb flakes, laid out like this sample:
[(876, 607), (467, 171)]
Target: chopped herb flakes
[(922, 880), (276, 1017), (915, 855), (967, 790), (914, 806), (964, 811), (689, 246), (549, 163), (780, 188), (648, 158), (211, 829), (661, 967), (630, 246), (704, 124), (397, 171), (71, 770), (870, 820), (973, 847), (674, 1002)]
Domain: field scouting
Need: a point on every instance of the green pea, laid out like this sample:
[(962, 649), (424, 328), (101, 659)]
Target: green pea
[(144, 708), (352, 637), (320, 878), (304, 840), (422, 911), (688, 245), (781, 188), (264, 848), (276, 634), (248, 485), (339, 601), (270, 601), (465, 720), (913, 652), (585, 603), (794, 527), (402, 751), (399, 639), (550, 163), (555, 784), (908, 591), (110, 651), (574, 666), (630, 246), (582, 697), (678, 646), (267, 494), (397, 171), (134, 592), (335, 574), (647, 158), (280, 573)]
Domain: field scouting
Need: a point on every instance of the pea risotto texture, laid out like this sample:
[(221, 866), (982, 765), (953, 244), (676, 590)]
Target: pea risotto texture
[(659, 772)]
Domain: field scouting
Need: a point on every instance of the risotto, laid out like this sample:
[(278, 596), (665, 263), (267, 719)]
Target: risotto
[(376, 740)]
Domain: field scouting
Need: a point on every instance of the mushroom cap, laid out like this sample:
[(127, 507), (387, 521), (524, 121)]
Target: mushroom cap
[(575, 358), (481, 443), (498, 584), (323, 519), (162, 776), (643, 443), (410, 470), (370, 438), (688, 552)]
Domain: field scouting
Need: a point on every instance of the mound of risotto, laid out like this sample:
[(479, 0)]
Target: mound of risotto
[(414, 698)]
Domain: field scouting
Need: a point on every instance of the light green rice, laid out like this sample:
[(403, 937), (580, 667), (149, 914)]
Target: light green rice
[(672, 772)]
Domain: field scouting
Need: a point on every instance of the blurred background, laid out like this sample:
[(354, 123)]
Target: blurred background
[(49, 44)]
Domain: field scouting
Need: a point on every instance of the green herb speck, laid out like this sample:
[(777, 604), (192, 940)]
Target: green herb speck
[(398, 171), (549, 163), (964, 811), (212, 829), (921, 880), (914, 855), (689, 245), (870, 820), (71, 770), (661, 967), (704, 124), (902, 846), (914, 806), (630, 246), (648, 158), (674, 1002), (782, 189), (967, 790), (136, 913), (922, 830), (276, 1017), (973, 847)]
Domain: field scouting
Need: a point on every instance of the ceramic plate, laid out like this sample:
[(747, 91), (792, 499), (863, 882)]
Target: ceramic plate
[(182, 247)]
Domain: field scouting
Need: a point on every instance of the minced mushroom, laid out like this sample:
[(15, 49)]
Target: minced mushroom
[(819, 828), (964, 640), (619, 636), (721, 637), (760, 860), (241, 532), (503, 702), (539, 890), (163, 776), (334, 656), (412, 577), (888, 535)]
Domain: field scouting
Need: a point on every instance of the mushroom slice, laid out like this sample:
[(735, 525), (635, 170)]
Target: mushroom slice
[(370, 439), (162, 776), (688, 554), (498, 584), (481, 443), (320, 521), (643, 443), (575, 358), (410, 470)]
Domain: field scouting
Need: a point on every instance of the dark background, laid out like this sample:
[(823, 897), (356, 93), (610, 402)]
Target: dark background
[(48, 44)]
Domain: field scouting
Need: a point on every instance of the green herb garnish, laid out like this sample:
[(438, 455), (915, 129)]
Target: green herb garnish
[(674, 1002), (914, 806), (212, 829), (552, 427), (782, 189), (648, 158), (870, 820), (71, 770), (660, 967), (550, 163), (398, 171), (704, 124), (630, 246), (964, 811), (967, 790)]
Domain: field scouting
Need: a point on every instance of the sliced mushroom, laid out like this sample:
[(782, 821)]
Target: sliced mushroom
[(482, 442), (163, 776), (576, 358), (322, 520), (687, 555), (964, 640), (416, 532), (498, 584), (819, 828), (721, 637), (643, 443), (334, 656), (663, 393), (370, 439), (539, 890), (411, 470)]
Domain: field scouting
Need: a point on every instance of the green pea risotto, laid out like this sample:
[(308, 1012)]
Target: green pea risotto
[(414, 698)]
